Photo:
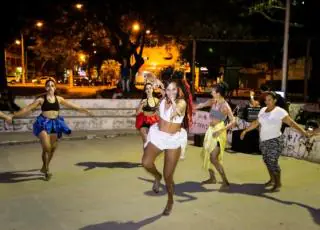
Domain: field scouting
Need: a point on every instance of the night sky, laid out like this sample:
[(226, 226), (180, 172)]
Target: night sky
[(17, 14)]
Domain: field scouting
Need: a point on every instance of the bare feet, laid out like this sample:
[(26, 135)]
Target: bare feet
[(167, 210), (225, 185), (43, 170), (269, 183), (209, 181), (276, 188), (156, 184), (47, 176)]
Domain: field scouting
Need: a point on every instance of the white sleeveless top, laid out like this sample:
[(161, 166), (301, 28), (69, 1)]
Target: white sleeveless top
[(166, 114)]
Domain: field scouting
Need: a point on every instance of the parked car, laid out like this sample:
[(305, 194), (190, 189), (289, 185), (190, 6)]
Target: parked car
[(96, 82), (13, 79), (40, 80), (81, 82)]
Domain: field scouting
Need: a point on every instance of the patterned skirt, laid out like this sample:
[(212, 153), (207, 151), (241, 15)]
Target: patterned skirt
[(51, 126), (210, 143)]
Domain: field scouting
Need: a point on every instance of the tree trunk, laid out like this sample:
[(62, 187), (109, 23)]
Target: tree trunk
[(3, 76)]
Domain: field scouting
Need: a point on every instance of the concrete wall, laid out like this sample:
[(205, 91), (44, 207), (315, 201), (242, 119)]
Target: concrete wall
[(110, 115)]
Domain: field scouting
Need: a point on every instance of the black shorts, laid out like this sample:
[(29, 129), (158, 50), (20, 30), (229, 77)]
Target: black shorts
[(53, 131), (144, 125)]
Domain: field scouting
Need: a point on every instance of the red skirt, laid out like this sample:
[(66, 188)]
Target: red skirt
[(142, 120)]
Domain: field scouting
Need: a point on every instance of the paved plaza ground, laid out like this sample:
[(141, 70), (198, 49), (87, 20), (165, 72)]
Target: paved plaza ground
[(99, 184)]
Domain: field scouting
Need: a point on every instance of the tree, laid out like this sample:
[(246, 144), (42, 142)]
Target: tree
[(97, 31), (273, 10)]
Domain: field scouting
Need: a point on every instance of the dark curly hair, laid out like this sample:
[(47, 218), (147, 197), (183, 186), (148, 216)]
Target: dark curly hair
[(221, 88), (144, 95), (272, 94)]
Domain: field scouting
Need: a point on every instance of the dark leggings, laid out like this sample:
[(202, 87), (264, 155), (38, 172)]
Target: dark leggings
[(271, 150)]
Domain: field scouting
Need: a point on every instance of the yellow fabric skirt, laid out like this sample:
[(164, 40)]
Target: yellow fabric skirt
[(210, 143)]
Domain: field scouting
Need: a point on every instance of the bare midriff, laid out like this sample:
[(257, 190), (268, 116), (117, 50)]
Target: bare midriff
[(214, 122), (50, 114), (148, 113), (169, 127)]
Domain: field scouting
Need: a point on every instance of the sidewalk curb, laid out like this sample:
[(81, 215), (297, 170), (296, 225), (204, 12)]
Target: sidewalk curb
[(70, 138)]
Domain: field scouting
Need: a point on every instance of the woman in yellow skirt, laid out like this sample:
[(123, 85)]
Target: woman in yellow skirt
[(216, 136)]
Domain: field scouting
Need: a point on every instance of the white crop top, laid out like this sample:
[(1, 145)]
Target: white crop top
[(166, 114), (271, 122)]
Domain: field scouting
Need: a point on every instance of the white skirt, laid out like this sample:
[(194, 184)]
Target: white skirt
[(163, 140)]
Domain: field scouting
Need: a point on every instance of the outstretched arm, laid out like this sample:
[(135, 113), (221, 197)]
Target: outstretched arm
[(208, 103), (255, 124), (28, 108), (5, 116), (288, 120), (71, 105)]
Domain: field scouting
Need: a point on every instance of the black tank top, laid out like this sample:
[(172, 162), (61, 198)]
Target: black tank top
[(148, 108), (47, 106)]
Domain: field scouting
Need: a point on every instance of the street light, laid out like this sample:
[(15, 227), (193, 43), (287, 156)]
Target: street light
[(39, 24), (79, 6), (18, 42), (82, 57), (136, 27), (148, 32)]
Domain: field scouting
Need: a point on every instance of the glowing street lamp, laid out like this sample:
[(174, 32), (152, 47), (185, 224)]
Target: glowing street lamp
[(18, 42), (82, 57), (148, 32), (39, 24), (79, 6), (136, 27)]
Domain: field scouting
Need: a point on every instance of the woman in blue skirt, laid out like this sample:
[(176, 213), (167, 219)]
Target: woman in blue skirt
[(49, 125)]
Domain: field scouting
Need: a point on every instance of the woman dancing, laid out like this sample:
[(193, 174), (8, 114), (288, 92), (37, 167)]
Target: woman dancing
[(147, 111), (216, 136), (270, 120), (49, 126), (168, 136)]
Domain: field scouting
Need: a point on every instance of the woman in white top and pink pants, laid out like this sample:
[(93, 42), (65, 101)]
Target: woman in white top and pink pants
[(270, 120), (168, 136)]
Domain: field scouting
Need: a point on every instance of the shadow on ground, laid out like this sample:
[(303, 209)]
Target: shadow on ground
[(20, 176), (182, 190), (112, 225), (93, 165), (260, 191)]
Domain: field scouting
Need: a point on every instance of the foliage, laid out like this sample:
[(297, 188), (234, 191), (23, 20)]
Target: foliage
[(272, 10)]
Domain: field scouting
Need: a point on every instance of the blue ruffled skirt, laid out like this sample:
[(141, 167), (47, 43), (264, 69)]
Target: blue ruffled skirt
[(51, 126)]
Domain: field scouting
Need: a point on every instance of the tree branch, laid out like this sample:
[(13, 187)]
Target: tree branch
[(297, 25)]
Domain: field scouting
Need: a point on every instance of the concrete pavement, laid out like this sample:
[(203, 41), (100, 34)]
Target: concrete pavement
[(99, 184), (17, 138)]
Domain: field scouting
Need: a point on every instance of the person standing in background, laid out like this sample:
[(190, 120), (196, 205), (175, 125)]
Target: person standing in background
[(125, 76)]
